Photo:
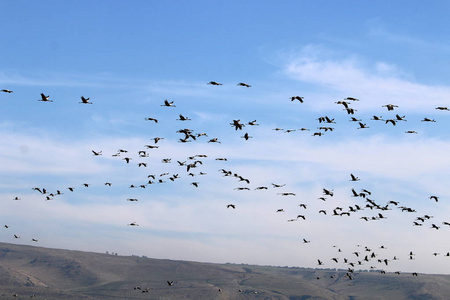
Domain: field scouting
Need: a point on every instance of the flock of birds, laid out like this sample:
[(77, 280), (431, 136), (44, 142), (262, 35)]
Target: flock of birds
[(367, 208)]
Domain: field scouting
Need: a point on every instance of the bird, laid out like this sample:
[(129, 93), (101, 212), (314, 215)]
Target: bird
[(351, 99), (6, 91), (237, 124), (246, 136), (278, 185), (435, 198), (428, 120), (328, 192), (151, 119), (392, 121), (354, 178), (389, 106), (214, 83), (45, 98), (157, 139), (170, 283), (300, 99), (168, 104), (232, 206), (183, 118), (133, 224), (96, 153), (361, 126), (243, 84), (214, 140), (85, 100)]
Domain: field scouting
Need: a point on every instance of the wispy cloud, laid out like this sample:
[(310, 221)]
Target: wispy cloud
[(376, 83)]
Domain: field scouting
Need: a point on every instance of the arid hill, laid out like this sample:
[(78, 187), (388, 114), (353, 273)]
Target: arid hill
[(42, 273)]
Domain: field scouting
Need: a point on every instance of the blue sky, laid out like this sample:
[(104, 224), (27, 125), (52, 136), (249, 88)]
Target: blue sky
[(129, 57)]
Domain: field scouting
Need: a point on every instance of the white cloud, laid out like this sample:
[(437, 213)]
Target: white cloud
[(376, 85)]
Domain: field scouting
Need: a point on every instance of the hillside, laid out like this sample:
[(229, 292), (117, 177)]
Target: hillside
[(66, 274)]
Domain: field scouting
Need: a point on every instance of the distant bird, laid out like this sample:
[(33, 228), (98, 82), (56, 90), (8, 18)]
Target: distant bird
[(392, 121), (96, 153), (389, 106), (243, 84), (328, 192), (214, 140), (133, 224), (170, 283), (252, 123), (6, 91), (246, 136), (442, 108), (350, 111), (278, 185), (214, 83), (434, 226), (45, 98), (85, 100), (168, 104), (305, 241), (286, 194), (428, 120), (411, 131), (435, 198), (345, 103), (237, 124), (354, 178), (351, 99), (34, 240), (151, 119), (232, 206), (16, 236), (361, 126), (183, 118), (300, 99)]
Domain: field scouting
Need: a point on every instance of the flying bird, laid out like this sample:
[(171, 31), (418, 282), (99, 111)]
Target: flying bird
[(300, 99), (85, 100), (45, 98), (168, 104)]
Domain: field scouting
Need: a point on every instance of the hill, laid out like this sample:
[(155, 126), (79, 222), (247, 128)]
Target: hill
[(43, 273)]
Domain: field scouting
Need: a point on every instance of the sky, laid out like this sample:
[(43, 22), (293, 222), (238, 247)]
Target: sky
[(127, 58)]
